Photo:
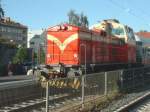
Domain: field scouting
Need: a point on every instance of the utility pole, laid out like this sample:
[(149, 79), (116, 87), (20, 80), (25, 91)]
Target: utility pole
[(84, 75)]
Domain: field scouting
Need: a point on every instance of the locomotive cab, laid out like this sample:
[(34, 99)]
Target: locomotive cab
[(139, 48), (122, 41)]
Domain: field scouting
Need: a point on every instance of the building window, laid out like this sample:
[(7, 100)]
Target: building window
[(32, 43)]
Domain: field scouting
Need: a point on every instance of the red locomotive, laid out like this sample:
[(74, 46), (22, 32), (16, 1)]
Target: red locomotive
[(71, 49)]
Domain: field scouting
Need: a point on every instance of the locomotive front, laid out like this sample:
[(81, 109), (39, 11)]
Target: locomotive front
[(62, 48)]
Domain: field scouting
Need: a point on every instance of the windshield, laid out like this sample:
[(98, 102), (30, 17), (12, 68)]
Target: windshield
[(117, 31)]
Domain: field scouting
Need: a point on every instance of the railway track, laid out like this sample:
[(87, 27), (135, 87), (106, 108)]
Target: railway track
[(126, 102), (14, 99), (15, 78), (15, 92), (133, 106), (38, 105), (144, 107), (23, 105)]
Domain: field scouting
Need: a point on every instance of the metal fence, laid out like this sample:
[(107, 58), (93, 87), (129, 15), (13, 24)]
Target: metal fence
[(131, 79), (66, 93)]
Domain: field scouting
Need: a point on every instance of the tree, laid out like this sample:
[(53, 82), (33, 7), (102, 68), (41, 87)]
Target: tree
[(78, 20), (1, 11), (73, 18), (20, 56), (143, 31), (84, 20)]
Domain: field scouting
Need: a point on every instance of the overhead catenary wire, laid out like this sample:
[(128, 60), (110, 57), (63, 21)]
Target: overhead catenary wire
[(142, 12), (129, 11)]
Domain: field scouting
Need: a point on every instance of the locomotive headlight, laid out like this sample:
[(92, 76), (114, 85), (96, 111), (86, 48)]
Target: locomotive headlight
[(48, 55), (76, 56)]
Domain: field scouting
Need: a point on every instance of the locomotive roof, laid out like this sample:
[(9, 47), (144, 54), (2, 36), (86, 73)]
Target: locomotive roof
[(67, 27)]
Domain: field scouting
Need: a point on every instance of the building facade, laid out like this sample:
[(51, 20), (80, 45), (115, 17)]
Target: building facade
[(38, 46), (145, 38), (38, 41), (13, 32)]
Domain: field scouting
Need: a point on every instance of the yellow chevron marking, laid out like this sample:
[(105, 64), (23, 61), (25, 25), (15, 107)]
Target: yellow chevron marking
[(65, 84), (61, 83), (57, 83), (63, 45), (77, 85), (53, 83), (50, 83)]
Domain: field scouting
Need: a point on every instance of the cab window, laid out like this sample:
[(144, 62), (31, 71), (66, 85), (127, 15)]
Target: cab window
[(130, 33), (118, 31)]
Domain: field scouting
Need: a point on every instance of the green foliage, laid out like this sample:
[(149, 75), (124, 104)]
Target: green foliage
[(77, 19), (7, 43), (84, 20), (143, 31), (20, 56), (35, 55), (1, 11), (2, 69)]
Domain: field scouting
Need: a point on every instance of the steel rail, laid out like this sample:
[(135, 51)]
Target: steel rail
[(133, 103), (15, 84)]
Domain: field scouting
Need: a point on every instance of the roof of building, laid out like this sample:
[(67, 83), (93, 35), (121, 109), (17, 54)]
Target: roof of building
[(144, 34), (8, 22), (145, 38)]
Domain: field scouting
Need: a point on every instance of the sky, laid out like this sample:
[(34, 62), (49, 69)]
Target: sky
[(41, 14)]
